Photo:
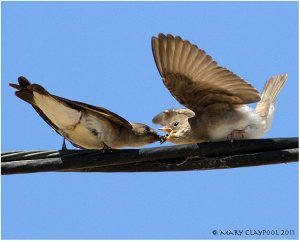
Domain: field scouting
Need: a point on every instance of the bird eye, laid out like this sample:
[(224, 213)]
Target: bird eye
[(176, 123), (147, 129)]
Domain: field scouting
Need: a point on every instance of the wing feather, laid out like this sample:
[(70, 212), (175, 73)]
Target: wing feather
[(25, 91), (194, 78), (98, 111)]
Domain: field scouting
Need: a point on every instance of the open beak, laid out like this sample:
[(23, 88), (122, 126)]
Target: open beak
[(166, 129), (169, 131)]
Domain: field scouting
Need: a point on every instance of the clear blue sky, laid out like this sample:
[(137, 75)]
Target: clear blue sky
[(100, 53)]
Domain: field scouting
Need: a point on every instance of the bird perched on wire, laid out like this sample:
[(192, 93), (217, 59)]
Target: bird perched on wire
[(84, 125), (216, 98)]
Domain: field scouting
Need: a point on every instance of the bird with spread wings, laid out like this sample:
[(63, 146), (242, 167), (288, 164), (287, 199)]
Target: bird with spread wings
[(216, 98)]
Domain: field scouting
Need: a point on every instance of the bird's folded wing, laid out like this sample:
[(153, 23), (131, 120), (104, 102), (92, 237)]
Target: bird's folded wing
[(98, 111), (25, 91), (171, 115), (46, 119), (50, 123), (194, 78)]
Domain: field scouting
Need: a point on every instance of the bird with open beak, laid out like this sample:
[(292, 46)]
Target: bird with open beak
[(216, 98), (84, 125)]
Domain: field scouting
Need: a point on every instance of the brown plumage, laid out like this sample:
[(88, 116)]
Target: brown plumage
[(269, 95), (215, 95), (194, 78), (85, 126)]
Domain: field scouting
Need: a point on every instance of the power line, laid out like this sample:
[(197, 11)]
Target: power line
[(204, 156)]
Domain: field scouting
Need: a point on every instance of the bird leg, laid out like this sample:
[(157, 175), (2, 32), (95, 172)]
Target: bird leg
[(234, 134), (105, 147), (64, 146), (63, 134)]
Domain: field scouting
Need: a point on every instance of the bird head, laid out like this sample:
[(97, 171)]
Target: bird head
[(175, 132), (143, 134)]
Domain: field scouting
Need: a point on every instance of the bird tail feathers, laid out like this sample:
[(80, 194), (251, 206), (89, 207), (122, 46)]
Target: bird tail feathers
[(273, 86), (23, 91)]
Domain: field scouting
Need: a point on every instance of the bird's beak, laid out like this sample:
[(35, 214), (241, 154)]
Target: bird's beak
[(166, 129), (167, 136)]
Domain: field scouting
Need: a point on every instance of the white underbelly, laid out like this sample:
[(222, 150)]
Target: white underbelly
[(83, 137), (245, 119)]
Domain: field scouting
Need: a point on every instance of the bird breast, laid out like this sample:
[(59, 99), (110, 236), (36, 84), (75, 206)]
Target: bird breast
[(221, 124)]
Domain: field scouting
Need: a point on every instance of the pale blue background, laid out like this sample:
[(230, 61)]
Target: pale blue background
[(100, 53)]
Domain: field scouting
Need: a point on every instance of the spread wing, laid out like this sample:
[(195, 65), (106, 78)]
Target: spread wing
[(195, 79), (171, 115)]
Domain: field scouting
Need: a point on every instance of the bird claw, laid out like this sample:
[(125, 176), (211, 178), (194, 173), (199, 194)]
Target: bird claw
[(106, 148), (234, 134)]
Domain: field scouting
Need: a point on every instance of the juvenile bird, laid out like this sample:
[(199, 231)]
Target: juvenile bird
[(84, 125), (216, 98)]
